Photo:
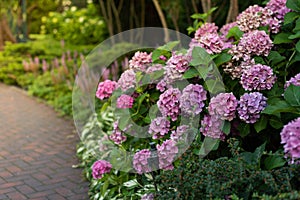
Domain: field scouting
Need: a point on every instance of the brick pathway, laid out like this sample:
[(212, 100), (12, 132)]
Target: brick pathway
[(37, 151)]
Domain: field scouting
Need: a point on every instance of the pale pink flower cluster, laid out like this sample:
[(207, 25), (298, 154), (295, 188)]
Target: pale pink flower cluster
[(127, 80), (211, 126), (117, 135), (159, 127), (250, 106), (125, 101), (140, 161), (290, 137), (294, 81), (105, 89), (223, 105), (140, 61), (258, 77), (99, 168), (168, 103), (166, 154), (180, 133), (278, 7)]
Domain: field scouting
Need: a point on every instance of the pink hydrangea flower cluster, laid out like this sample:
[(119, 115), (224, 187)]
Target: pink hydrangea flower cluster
[(178, 134), (294, 81), (159, 127), (154, 67), (125, 101), (252, 43), (140, 61), (117, 135), (148, 196), (223, 105), (258, 77), (161, 85), (236, 71), (224, 32), (211, 127), (166, 154), (192, 99), (168, 103), (127, 80), (140, 161), (250, 106), (290, 137), (208, 38), (278, 7), (100, 168), (105, 89)]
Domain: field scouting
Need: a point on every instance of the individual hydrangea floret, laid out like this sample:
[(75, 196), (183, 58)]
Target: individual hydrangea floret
[(211, 126), (159, 127), (117, 135), (223, 105), (148, 196), (258, 77), (250, 106), (278, 7), (100, 168), (252, 43), (207, 28), (127, 80), (180, 133), (140, 61), (192, 99), (161, 85), (168, 103), (294, 81), (140, 161), (211, 42), (180, 61), (105, 89), (166, 154), (290, 137), (125, 101)]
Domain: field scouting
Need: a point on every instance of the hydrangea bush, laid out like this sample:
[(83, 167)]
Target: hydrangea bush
[(169, 100)]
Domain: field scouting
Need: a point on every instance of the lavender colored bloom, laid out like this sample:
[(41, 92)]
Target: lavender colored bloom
[(140, 61), (161, 85), (211, 127), (207, 28), (125, 101), (180, 132), (159, 127), (290, 137), (192, 99), (127, 80), (100, 168), (258, 77), (294, 81), (211, 42), (250, 106), (105, 89), (180, 61), (223, 105), (166, 154), (168, 103), (278, 7), (140, 161), (117, 135), (148, 196), (153, 68)]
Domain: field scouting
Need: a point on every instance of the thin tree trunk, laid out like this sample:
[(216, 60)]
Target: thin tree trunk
[(162, 19), (6, 32), (108, 21), (208, 9), (233, 11), (195, 6), (1, 40)]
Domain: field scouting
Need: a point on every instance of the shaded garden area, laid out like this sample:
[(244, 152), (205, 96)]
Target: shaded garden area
[(219, 118)]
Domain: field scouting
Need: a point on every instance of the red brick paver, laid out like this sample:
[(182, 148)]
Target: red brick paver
[(37, 151)]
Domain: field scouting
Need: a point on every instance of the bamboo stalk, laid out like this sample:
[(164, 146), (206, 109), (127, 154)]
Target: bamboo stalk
[(162, 19)]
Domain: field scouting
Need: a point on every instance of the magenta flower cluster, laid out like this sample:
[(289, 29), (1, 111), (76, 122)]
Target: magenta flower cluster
[(290, 137), (117, 135), (168, 103), (127, 80), (223, 105), (258, 77), (140, 61), (192, 99), (159, 127), (99, 168), (105, 89), (294, 81), (125, 101), (166, 154), (211, 126), (140, 161), (250, 106), (278, 7)]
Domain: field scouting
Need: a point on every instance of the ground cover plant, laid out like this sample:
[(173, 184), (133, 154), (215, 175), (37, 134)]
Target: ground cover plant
[(219, 120)]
